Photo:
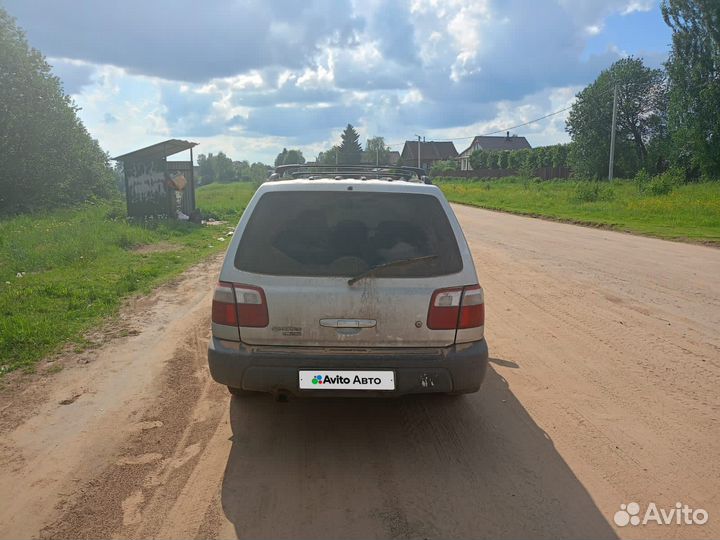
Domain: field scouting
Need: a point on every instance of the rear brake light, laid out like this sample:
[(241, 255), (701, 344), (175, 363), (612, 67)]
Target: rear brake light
[(472, 308), (223, 305), (239, 305), (444, 308), (457, 308), (251, 306)]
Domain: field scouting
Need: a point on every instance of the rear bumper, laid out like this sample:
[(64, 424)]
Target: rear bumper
[(459, 368)]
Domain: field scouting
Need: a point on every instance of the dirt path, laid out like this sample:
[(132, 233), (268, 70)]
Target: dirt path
[(603, 390)]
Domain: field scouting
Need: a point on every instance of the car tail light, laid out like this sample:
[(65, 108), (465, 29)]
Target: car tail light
[(251, 306), (472, 308), (239, 305), (224, 310), (457, 308), (444, 309)]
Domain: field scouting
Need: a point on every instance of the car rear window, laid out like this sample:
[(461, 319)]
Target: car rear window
[(344, 233)]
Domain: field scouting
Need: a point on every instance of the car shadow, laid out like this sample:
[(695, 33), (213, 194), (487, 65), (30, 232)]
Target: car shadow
[(504, 363), (415, 467)]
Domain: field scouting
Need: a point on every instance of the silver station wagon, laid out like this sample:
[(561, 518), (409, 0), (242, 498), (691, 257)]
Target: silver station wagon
[(348, 281)]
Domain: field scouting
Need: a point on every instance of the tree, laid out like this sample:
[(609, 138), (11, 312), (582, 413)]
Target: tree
[(532, 161), (224, 169), (205, 169), (517, 158), (47, 157), (242, 170), (694, 83), (558, 155), (350, 151), (329, 157), (280, 159), (378, 151), (493, 160), (294, 157), (119, 176), (642, 97), (544, 156), (258, 172), (503, 159), (289, 157), (220, 168), (478, 159), (444, 168)]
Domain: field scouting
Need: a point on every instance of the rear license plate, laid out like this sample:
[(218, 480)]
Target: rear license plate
[(321, 379)]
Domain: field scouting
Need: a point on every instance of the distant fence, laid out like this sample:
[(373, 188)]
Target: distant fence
[(546, 173)]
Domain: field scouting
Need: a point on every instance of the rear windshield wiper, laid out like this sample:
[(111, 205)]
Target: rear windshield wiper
[(399, 262)]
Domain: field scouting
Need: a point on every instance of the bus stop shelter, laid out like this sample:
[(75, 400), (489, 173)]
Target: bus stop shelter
[(155, 186)]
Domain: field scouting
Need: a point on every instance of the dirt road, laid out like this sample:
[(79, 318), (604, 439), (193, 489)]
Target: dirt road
[(603, 390)]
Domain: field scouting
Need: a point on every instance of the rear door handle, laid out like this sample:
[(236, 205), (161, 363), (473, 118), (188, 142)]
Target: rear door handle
[(348, 323)]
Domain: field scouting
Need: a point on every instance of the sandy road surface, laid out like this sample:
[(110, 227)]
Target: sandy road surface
[(603, 390)]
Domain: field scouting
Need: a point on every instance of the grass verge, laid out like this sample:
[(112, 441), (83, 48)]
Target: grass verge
[(61, 272), (688, 212)]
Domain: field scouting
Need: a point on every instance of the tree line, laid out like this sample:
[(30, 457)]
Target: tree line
[(47, 157), (524, 162), (527, 158), (665, 117), (351, 152), (220, 168)]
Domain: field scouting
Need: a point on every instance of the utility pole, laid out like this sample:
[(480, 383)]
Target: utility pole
[(612, 135), (418, 136), (377, 156)]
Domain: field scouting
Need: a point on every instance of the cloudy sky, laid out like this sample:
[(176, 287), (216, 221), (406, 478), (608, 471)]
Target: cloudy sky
[(253, 76)]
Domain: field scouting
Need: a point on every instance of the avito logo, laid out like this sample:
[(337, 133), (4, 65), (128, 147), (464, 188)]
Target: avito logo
[(327, 379), (630, 514), (339, 379)]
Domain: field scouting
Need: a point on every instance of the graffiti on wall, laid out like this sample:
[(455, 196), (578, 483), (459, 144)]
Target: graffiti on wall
[(146, 188)]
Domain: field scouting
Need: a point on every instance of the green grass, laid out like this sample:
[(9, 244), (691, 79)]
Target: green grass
[(62, 272), (77, 265), (221, 201), (688, 212)]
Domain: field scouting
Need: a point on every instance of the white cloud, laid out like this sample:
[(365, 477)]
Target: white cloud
[(258, 76), (123, 112), (638, 5), (513, 113)]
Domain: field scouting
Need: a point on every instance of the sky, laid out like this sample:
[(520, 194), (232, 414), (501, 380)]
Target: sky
[(251, 77)]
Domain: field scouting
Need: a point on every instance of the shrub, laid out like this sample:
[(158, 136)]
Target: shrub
[(660, 185), (441, 168), (642, 179), (593, 192), (665, 183), (526, 171)]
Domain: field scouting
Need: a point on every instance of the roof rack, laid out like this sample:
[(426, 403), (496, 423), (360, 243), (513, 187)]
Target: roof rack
[(361, 172)]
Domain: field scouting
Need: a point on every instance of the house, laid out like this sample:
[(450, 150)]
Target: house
[(430, 152), (492, 143)]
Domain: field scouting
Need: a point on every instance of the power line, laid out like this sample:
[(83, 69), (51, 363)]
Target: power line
[(526, 123), (498, 131), (533, 121)]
